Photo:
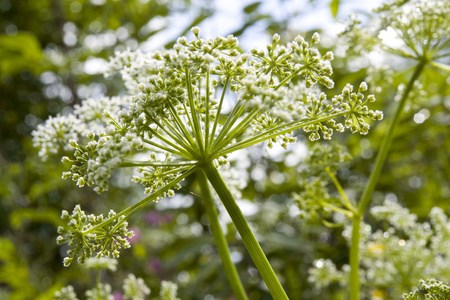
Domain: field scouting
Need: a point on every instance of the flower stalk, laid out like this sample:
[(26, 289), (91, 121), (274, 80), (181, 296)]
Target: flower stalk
[(250, 242), (220, 239), (373, 180)]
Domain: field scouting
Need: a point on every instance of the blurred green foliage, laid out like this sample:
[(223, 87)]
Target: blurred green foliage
[(18, 53)]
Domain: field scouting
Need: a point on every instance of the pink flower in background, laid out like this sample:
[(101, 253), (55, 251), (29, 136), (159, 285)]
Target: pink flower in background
[(156, 218), (118, 296), (152, 218), (167, 218), (155, 265)]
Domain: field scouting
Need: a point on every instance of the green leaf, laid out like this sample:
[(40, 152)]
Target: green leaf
[(18, 53), (50, 292), (18, 217), (334, 7), (14, 272), (252, 7)]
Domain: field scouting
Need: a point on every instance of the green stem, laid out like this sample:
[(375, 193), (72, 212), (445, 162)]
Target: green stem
[(338, 186), (252, 245), (221, 242), (98, 278), (167, 149), (335, 208), (172, 163), (231, 119), (181, 126), (274, 132), (373, 179), (237, 130), (175, 135), (141, 204), (440, 66), (207, 110), (219, 109), (387, 142), (354, 257), (186, 149), (194, 112)]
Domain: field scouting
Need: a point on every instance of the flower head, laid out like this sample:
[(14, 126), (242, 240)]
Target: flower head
[(173, 120), (85, 239), (135, 288), (421, 29)]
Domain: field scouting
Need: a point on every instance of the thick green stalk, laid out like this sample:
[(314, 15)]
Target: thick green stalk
[(373, 179), (252, 245), (221, 242), (354, 257)]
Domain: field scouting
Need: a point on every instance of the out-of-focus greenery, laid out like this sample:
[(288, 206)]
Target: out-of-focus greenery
[(45, 50)]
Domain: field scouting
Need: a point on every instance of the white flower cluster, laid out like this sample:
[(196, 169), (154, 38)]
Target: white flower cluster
[(53, 136), (135, 288), (94, 162), (131, 65), (433, 290), (172, 109), (91, 111), (66, 293), (172, 116), (100, 143), (283, 63), (101, 263), (168, 291), (156, 177), (397, 257), (422, 26), (84, 238), (325, 273), (103, 291)]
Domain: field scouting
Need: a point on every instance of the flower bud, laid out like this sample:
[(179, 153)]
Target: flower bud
[(195, 30)]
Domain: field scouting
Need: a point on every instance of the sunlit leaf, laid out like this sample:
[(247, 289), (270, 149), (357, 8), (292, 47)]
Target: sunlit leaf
[(334, 7), (252, 7)]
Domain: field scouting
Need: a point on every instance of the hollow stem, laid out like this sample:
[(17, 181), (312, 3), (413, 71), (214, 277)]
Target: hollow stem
[(250, 242), (221, 242), (373, 179)]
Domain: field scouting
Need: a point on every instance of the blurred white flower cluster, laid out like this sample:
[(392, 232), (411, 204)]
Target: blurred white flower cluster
[(134, 288), (398, 254)]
